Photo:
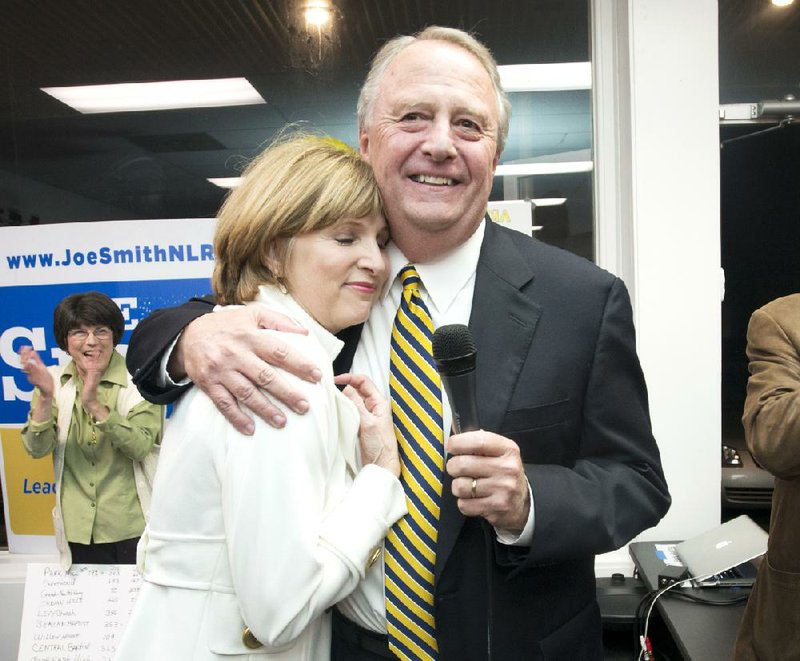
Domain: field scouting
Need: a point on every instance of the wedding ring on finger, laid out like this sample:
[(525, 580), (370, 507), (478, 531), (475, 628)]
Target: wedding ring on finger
[(474, 487)]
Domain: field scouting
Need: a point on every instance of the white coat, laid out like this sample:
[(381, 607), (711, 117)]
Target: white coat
[(252, 538)]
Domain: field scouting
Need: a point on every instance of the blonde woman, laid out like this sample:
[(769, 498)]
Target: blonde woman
[(253, 538)]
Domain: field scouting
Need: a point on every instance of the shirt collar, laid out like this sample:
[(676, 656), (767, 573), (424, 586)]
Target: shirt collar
[(273, 298), (446, 276), (116, 372)]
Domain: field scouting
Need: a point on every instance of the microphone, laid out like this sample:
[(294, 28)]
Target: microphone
[(454, 353)]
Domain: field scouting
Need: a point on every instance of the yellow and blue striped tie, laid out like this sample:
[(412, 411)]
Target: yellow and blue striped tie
[(416, 393)]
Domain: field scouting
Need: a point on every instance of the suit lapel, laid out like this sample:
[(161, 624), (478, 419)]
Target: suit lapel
[(350, 336), (502, 323)]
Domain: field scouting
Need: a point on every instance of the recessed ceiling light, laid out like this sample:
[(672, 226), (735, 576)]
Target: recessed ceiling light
[(164, 95), (225, 182), (548, 201), (522, 169), (546, 77), (782, 3)]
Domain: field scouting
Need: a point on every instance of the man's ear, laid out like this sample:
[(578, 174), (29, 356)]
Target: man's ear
[(363, 144)]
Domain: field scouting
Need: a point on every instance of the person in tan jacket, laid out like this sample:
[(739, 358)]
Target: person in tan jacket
[(770, 628)]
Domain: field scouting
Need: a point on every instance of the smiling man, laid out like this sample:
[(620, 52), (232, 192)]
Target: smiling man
[(430, 133), (565, 466)]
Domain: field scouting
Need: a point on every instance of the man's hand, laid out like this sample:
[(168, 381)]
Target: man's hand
[(230, 360), (491, 463)]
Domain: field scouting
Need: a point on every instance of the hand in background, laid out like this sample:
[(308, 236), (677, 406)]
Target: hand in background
[(40, 377), (92, 373), (36, 371)]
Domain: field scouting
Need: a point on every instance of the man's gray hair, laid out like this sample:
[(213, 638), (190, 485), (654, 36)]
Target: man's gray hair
[(393, 47)]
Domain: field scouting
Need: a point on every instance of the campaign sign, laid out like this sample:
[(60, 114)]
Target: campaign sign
[(141, 265)]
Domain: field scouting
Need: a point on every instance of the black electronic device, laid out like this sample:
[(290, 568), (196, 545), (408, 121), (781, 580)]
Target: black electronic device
[(618, 597), (670, 574), (454, 353)]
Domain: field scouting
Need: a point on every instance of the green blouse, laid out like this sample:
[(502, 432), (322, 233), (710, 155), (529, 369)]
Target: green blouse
[(98, 491)]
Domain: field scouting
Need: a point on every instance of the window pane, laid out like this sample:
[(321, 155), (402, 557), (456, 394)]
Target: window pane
[(59, 165)]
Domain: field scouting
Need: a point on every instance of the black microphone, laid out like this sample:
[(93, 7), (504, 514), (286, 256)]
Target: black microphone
[(454, 353)]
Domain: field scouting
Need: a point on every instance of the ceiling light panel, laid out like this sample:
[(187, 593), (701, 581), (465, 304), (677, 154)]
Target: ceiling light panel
[(560, 76), (523, 169), (164, 95)]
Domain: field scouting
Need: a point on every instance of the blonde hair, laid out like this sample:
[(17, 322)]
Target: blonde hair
[(392, 48), (299, 184)]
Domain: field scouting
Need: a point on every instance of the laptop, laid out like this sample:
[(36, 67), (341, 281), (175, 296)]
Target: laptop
[(720, 557)]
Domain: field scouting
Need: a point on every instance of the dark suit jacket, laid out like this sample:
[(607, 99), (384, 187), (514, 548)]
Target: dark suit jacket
[(557, 372)]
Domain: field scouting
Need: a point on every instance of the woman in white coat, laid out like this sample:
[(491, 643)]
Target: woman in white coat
[(251, 539)]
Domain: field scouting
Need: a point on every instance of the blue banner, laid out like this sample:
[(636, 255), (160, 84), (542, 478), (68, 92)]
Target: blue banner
[(141, 265)]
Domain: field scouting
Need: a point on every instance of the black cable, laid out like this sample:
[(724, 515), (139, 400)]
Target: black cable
[(639, 617), (648, 601), (488, 536), (781, 125), (710, 602)]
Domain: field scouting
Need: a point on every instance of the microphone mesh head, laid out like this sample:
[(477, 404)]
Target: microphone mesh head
[(453, 341)]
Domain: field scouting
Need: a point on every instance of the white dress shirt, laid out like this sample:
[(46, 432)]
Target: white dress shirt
[(448, 285)]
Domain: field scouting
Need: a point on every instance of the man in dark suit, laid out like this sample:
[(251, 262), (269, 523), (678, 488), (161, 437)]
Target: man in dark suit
[(565, 466)]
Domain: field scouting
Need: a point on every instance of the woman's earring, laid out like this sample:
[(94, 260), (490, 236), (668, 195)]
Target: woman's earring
[(282, 288)]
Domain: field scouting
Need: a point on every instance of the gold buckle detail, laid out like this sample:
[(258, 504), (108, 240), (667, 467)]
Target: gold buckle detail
[(249, 640)]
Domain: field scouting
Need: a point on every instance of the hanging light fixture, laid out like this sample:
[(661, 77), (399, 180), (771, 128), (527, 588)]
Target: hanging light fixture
[(318, 14)]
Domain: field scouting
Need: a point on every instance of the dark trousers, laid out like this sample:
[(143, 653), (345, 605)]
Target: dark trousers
[(352, 643), (112, 553)]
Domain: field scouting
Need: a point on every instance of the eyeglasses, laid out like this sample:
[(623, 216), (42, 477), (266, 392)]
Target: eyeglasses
[(100, 333)]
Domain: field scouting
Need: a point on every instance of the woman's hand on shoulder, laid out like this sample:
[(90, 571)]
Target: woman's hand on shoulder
[(376, 430)]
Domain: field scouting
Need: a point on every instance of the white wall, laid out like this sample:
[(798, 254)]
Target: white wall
[(657, 200)]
